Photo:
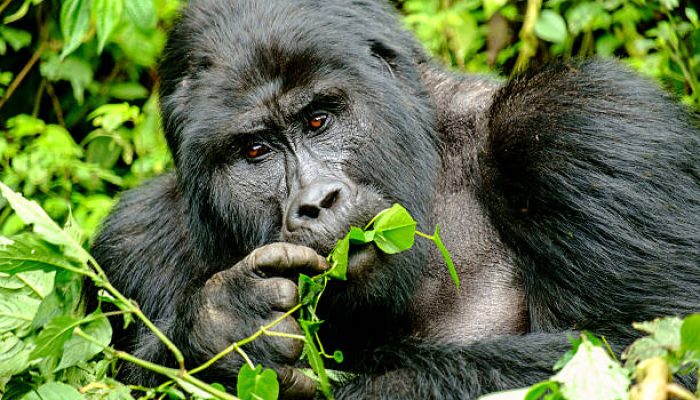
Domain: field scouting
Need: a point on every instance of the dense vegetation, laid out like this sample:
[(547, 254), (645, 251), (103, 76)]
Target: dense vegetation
[(79, 123)]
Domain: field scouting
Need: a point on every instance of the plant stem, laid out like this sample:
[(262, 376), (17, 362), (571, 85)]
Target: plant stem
[(4, 5), (527, 35), (425, 235), (235, 346), (22, 74), (105, 284), (171, 373)]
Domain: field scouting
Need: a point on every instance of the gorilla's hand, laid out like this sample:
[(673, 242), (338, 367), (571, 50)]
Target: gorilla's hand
[(251, 294)]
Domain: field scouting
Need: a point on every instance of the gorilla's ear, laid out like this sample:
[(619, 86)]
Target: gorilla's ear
[(385, 54)]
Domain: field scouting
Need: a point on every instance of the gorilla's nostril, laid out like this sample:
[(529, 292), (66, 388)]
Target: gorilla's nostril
[(330, 199), (308, 211)]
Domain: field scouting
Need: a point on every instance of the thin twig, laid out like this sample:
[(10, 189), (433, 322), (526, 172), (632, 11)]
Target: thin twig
[(236, 345), (4, 5), (22, 74), (55, 103)]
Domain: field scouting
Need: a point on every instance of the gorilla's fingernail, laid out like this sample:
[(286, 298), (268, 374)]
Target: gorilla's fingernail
[(323, 263)]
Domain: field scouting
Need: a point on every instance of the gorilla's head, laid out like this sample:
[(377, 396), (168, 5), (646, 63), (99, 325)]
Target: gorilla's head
[(292, 121)]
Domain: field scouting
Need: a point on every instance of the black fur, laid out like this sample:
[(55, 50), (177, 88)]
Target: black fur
[(569, 195)]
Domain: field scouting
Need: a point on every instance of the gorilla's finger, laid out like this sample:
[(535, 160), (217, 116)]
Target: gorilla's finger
[(280, 293), (295, 385), (288, 348), (285, 257)]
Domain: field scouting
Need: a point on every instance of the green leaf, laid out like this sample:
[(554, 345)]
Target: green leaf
[(142, 13), (339, 259), (395, 230), (690, 334), (338, 356), (75, 23), (446, 256), (31, 213), (54, 391), (308, 290), (17, 312), (551, 27), (592, 374), (27, 253), (14, 355), (52, 338), (78, 349), (358, 236), (17, 39), (257, 384), (107, 15), (315, 358)]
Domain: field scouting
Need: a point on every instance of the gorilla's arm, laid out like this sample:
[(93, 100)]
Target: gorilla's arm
[(590, 174), (146, 250)]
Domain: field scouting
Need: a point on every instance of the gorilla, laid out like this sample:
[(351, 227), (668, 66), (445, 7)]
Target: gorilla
[(569, 197)]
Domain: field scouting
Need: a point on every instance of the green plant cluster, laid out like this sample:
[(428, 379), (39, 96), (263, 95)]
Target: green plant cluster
[(78, 103), (659, 38)]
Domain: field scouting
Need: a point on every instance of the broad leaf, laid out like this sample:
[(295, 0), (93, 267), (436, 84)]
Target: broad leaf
[(54, 391), (31, 213), (27, 253), (75, 22), (14, 355), (551, 27), (107, 15), (257, 384), (308, 290), (592, 374), (394, 229), (314, 356), (17, 312), (690, 334), (52, 338), (142, 13), (78, 349)]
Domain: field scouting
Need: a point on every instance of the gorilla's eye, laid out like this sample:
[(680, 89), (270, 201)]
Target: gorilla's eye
[(317, 120), (256, 150)]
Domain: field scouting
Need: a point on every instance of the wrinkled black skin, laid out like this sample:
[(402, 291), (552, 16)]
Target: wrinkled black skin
[(588, 173)]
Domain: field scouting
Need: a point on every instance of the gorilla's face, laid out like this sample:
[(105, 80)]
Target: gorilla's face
[(296, 137)]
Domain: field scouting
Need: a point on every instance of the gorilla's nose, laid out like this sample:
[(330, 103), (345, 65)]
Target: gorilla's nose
[(310, 204)]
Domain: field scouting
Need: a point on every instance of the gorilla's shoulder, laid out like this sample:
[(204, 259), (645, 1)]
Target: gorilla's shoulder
[(150, 215)]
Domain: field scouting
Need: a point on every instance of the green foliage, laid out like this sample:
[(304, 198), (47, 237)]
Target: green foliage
[(392, 230), (79, 103), (661, 39), (257, 384), (589, 372)]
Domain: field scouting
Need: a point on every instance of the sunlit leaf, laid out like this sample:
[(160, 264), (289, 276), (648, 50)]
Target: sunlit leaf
[(257, 384), (551, 27), (592, 374), (31, 213), (54, 391), (75, 23), (339, 259), (107, 15), (394, 230)]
